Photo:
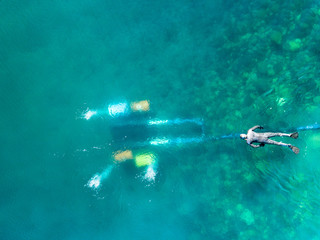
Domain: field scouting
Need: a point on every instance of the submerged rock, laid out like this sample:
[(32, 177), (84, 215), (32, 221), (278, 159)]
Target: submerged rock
[(276, 37), (294, 45), (247, 217), (316, 100)]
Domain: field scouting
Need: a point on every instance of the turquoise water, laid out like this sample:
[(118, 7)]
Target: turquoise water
[(232, 64)]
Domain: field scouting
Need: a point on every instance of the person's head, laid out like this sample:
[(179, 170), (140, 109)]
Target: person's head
[(243, 136)]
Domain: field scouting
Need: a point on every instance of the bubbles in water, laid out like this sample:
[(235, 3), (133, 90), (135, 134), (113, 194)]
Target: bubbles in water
[(89, 114), (149, 175), (119, 109), (95, 181), (86, 114)]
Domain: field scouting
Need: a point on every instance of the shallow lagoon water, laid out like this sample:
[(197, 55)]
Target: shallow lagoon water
[(234, 65)]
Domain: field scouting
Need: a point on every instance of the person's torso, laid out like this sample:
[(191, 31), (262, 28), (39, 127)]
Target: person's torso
[(255, 137)]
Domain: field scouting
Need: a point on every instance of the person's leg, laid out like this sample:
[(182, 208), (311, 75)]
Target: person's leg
[(274, 134), (294, 135), (293, 148), (269, 141)]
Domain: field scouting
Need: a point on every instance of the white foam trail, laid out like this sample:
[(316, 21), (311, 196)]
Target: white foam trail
[(87, 114), (95, 181), (177, 121), (119, 109), (150, 174)]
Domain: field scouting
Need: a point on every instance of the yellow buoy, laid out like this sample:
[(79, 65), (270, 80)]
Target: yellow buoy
[(144, 159), (122, 156), (142, 106)]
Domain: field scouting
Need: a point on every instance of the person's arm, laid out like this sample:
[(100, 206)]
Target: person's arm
[(255, 127), (254, 146), (257, 146)]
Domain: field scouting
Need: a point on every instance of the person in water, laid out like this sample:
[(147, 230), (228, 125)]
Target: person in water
[(263, 138)]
